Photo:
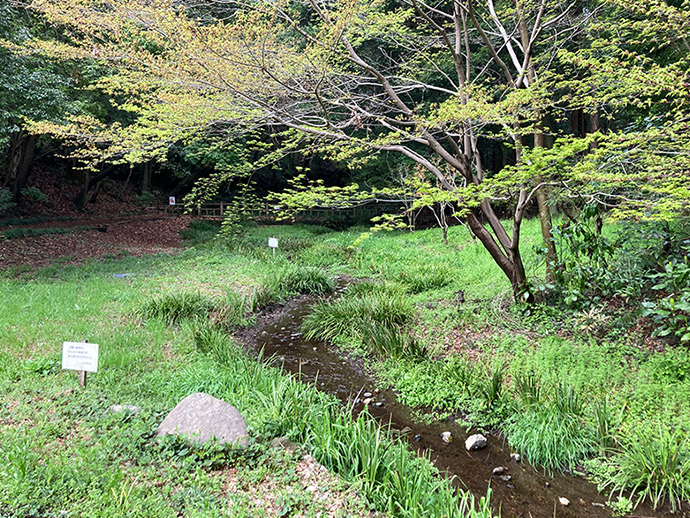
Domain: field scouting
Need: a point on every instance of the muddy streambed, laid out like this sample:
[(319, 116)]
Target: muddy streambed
[(528, 493)]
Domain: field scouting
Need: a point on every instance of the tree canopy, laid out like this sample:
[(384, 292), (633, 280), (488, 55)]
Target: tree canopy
[(587, 100)]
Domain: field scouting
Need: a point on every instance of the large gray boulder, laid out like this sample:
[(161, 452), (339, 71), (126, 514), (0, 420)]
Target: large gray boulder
[(202, 418)]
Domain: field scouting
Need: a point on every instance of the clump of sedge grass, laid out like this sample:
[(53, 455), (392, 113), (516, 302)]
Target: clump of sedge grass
[(425, 278), (304, 280), (171, 308), (655, 466), (341, 317), (392, 341), (551, 431)]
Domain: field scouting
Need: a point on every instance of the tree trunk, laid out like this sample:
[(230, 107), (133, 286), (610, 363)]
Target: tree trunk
[(509, 261), (22, 161), (146, 177), (546, 222)]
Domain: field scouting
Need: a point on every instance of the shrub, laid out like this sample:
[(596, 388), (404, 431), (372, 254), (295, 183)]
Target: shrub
[(35, 194), (6, 200), (174, 307)]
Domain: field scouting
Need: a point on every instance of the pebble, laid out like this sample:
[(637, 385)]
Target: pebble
[(515, 457), (510, 486), (131, 409), (368, 394), (417, 438), (505, 478), (367, 401), (282, 329), (499, 470), (475, 442), (447, 437), (315, 348), (564, 501), (378, 404)]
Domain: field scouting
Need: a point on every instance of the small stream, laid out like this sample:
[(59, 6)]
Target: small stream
[(528, 493)]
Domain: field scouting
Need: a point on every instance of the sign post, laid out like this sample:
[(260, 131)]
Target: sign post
[(273, 243), (80, 356)]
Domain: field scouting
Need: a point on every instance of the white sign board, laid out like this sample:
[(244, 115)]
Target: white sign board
[(80, 356), (273, 242), (172, 200)]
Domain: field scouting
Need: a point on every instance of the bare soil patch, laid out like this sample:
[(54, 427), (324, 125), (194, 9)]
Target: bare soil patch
[(138, 236)]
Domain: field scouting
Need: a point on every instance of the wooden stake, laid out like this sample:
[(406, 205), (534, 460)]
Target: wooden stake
[(82, 374)]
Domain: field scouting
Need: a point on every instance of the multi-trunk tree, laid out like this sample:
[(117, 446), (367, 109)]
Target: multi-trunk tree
[(435, 82)]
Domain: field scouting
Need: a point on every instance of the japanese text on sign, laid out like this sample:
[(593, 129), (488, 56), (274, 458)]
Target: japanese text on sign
[(80, 356)]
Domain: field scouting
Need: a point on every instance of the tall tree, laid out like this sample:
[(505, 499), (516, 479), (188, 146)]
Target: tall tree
[(434, 82)]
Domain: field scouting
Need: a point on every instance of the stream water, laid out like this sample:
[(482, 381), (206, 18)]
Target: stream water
[(528, 493)]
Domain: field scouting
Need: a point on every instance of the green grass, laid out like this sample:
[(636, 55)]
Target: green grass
[(575, 391), (161, 333)]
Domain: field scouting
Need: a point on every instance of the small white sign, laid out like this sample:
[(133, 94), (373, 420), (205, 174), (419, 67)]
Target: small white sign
[(273, 242), (80, 356), (172, 200)]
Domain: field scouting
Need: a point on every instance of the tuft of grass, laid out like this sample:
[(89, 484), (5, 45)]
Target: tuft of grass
[(231, 312), (171, 308), (425, 278), (304, 280), (340, 317), (654, 466), (390, 341), (553, 433), (215, 343)]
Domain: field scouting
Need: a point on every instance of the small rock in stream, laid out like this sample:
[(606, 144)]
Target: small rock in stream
[(564, 501), (475, 442), (447, 437)]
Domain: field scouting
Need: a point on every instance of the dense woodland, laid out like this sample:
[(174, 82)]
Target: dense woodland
[(568, 116)]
